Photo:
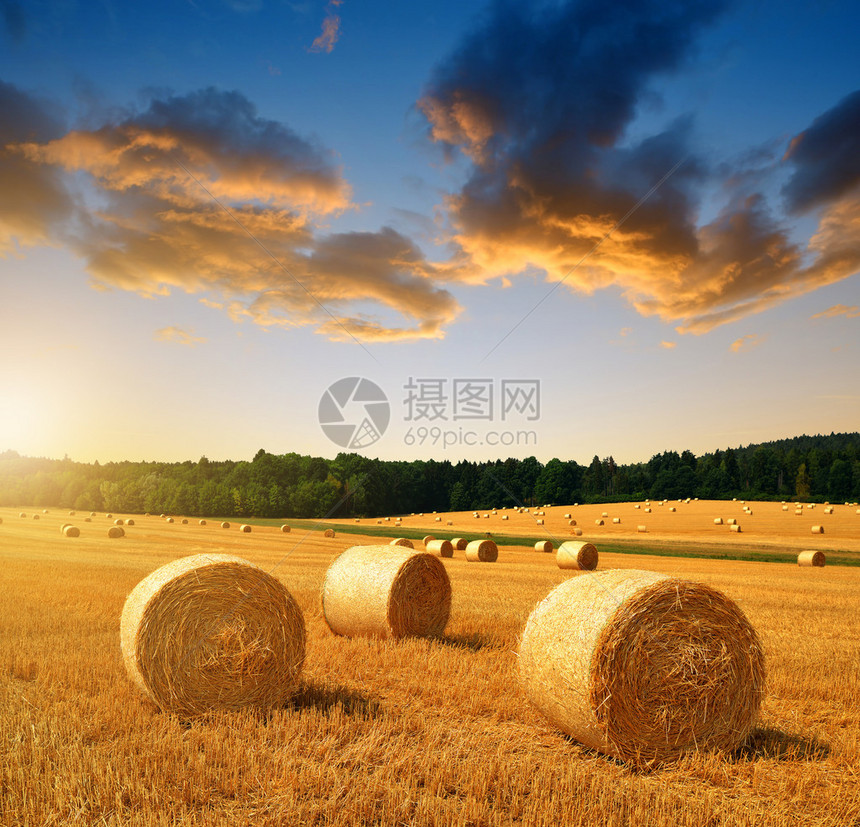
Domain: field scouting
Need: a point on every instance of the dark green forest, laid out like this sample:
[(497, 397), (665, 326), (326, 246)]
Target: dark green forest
[(293, 485)]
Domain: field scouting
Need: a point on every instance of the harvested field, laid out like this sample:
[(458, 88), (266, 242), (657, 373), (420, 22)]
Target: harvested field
[(403, 732)]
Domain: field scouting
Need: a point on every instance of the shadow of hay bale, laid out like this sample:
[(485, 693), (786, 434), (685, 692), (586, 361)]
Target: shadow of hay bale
[(326, 698), (769, 744), (474, 641)]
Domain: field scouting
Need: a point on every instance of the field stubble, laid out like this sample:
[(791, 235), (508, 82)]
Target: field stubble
[(385, 732)]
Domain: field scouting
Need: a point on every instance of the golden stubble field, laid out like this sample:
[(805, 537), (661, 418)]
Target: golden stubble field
[(414, 732)]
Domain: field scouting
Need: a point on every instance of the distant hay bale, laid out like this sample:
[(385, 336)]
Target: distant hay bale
[(44, 510), (577, 532), (225, 524), (380, 591), (428, 538), (482, 551), (118, 522), (571, 522), (811, 558), (616, 520), (184, 521), (785, 508), (799, 512), (329, 532), (22, 514), (567, 516), (718, 520), (35, 516), (285, 529), (735, 527), (109, 516), (129, 522), (443, 548), (504, 516), (598, 522), (818, 529), (201, 522), (459, 543), (88, 519), (538, 522), (116, 531), (642, 529), (437, 519), (71, 513), (605, 514), (169, 520), (245, 528), (672, 508), (402, 541), (451, 522), (544, 545), (92, 513), (63, 527), (828, 510), (731, 521), (647, 510), (212, 632), (71, 531), (580, 556), (643, 666), (637, 506)]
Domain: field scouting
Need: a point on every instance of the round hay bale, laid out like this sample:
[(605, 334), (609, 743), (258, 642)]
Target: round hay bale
[(35, 516), (184, 521), (118, 522), (718, 520), (577, 532), (169, 520), (92, 513), (580, 556), (212, 632), (642, 529), (71, 531), (63, 527), (616, 520), (598, 522), (567, 516), (380, 591), (286, 529), (482, 551), (329, 532), (116, 531), (429, 538), (811, 558), (437, 519), (637, 505), (109, 516), (647, 510), (735, 527), (88, 519), (201, 522), (71, 513), (162, 516), (451, 522), (225, 525), (22, 514), (459, 543), (538, 522), (129, 522), (245, 529), (545, 546), (44, 510), (402, 541), (671, 508), (444, 548), (643, 666), (818, 529), (731, 521), (571, 522), (605, 514)]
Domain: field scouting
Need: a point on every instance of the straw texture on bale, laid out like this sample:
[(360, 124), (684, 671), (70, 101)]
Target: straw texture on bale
[(571, 522), (544, 546), (212, 632), (459, 543), (580, 556), (818, 529), (117, 522), (245, 529), (71, 531), (482, 551), (380, 591), (129, 522), (402, 541), (444, 548), (643, 666), (116, 531), (329, 532), (811, 558), (225, 525), (184, 521), (429, 538)]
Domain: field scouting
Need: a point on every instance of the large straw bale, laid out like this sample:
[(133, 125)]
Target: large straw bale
[(225, 524), (329, 532), (129, 522), (642, 529), (818, 529), (118, 522), (169, 520), (718, 520), (245, 529), (598, 522), (380, 591), (643, 666), (212, 632), (71, 531), (482, 551), (428, 538), (811, 558), (735, 527), (571, 522), (201, 522), (443, 548), (116, 531), (538, 522), (577, 532), (459, 543), (544, 545), (616, 520), (402, 541), (35, 516), (580, 556)]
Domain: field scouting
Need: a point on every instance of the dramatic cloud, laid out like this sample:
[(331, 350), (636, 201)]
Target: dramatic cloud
[(178, 336), (538, 99), (330, 29), (851, 312), (200, 193), (747, 342), (668, 345)]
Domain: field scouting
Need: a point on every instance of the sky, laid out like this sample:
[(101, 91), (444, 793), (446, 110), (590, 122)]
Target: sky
[(448, 230)]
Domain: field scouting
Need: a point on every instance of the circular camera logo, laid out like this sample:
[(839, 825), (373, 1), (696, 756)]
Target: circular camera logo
[(354, 412)]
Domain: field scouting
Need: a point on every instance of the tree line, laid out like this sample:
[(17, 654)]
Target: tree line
[(295, 485)]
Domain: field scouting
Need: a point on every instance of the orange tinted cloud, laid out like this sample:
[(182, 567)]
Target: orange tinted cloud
[(325, 41), (747, 342), (851, 312), (178, 336)]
